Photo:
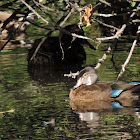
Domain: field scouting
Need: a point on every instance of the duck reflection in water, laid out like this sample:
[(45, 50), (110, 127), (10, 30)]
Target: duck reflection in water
[(90, 113), (90, 98), (69, 52)]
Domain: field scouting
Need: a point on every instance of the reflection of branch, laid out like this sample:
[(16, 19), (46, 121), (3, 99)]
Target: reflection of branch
[(130, 53)]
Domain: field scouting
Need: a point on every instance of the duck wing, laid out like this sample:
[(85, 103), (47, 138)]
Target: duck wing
[(118, 88)]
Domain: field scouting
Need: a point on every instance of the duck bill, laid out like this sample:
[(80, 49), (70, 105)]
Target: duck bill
[(79, 83)]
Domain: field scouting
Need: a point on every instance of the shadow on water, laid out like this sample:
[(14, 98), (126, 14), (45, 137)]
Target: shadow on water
[(51, 74)]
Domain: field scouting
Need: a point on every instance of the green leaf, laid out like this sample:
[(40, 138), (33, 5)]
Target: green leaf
[(133, 4)]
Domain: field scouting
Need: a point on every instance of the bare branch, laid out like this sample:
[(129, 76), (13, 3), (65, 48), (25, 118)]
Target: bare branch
[(39, 45), (130, 54), (105, 2), (30, 8), (45, 7), (42, 41), (117, 35), (75, 6), (104, 15), (107, 25), (103, 58), (73, 75), (106, 53), (66, 18), (135, 20)]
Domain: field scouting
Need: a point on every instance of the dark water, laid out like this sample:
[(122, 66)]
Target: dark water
[(34, 103)]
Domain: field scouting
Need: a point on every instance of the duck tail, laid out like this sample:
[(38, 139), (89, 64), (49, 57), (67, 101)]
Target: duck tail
[(136, 89)]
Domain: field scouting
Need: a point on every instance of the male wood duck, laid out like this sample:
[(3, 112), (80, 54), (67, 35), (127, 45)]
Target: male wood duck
[(88, 89)]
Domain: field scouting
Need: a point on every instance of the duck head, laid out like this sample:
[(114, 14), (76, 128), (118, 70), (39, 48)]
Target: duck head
[(87, 76)]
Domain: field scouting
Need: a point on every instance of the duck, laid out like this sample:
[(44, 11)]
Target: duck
[(88, 88), (50, 52)]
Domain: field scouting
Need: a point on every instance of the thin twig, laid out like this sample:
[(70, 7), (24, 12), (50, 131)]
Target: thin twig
[(66, 18), (48, 15), (45, 7), (107, 25), (105, 2), (104, 15), (30, 8), (42, 41), (73, 75), (117, 35), (60, 44), (39, 45), (75, 6), (105, 54), (130, 54), (60, 35)]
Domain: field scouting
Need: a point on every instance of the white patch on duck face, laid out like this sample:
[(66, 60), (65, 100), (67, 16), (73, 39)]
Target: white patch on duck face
[(89, 81)]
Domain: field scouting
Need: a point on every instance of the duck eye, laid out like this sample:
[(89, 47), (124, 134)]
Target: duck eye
[(85, 74)]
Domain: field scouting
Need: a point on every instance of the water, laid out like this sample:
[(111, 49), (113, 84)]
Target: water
[(34, 103)]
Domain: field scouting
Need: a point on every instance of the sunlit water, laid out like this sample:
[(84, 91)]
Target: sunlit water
[(34, 103)]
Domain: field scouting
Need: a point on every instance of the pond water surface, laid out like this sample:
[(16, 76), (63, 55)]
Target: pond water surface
[(34, 102)]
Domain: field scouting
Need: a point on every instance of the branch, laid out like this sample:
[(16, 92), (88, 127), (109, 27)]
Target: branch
[(39, 45), (48, 15), (135, 21), (48, 34), (66, 18), (45, 7), (30, 8), (107, 3), (73, 75), (75, 6), (117, 35), (105, 54), (107, 25), (130, 54), (104, 15)]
